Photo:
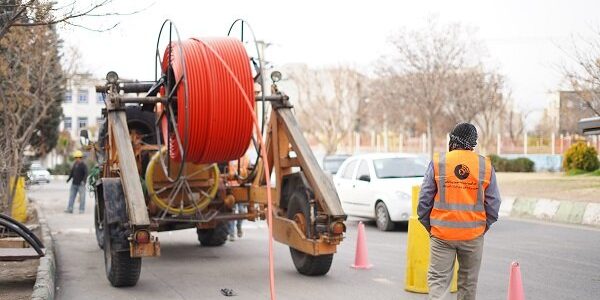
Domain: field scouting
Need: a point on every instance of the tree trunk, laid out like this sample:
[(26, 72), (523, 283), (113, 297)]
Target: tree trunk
[(430, 137)]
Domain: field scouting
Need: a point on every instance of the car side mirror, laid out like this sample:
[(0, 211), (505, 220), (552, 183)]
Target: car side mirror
[(365, 178), (84, 137)]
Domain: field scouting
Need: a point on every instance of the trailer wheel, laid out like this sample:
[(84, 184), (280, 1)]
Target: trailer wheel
[(121, 269), (306, 264), (213, 237), (99, 225)]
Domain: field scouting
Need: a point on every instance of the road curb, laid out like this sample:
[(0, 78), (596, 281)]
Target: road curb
[(559, 211), (45, 281), (592, 214)]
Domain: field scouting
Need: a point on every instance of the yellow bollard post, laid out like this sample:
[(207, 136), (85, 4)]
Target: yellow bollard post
[(19, 204), (417, 254)]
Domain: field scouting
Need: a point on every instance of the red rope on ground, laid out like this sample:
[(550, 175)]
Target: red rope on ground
[(224, 64), (263, 155)]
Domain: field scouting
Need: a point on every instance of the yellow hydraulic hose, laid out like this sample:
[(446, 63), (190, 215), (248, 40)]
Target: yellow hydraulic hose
[(202, 202)]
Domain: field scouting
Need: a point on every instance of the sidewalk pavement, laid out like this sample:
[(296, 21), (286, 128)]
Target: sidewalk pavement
[(560, 211)]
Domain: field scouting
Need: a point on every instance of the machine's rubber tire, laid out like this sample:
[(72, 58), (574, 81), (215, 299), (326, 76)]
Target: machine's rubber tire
[(306, 264), (382, 217), (213, 237), (138, 119), (121, 269), (99, 225)]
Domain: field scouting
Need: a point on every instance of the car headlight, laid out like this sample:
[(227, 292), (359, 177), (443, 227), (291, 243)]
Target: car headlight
[(402, 196)]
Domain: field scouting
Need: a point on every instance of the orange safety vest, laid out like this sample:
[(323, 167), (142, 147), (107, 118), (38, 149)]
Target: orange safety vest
[(458, 212)]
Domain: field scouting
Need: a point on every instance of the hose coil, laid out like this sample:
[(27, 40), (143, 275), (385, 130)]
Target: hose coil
[(215, 112)]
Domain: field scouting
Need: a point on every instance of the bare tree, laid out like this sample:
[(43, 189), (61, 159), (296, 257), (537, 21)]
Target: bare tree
[(468, 92), (492, 107), (584, 76), (327, 103), (31, 88), (386, 102), (515, 121), (28, 13), (477, 98), (422, 67)]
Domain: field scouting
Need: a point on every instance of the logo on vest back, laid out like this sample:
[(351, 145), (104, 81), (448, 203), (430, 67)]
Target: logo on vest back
[(462, 172)]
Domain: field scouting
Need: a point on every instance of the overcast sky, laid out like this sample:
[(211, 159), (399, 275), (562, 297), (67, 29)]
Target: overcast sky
[(522, 38)]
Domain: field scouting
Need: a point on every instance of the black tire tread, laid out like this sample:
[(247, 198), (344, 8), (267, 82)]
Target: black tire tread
[(311, 265), (136, 118), (389, 224), (126, 270), (123, 270), (213, 237), (99, 231), (306, 264)]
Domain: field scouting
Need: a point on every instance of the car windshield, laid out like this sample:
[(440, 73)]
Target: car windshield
[(333, 164), (400, 167)]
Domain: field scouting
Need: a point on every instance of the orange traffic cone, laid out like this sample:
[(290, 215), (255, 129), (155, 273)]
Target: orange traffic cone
[(515, 285), (361, 260)]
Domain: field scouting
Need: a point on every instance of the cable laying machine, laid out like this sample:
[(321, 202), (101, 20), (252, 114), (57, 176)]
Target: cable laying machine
[(172, 155)]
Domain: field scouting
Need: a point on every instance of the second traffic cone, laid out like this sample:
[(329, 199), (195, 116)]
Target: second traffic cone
[(515, 285), (361, 260)]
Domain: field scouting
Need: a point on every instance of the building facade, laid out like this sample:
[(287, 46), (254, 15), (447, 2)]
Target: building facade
[(82, 109), (565, 110), (82, 106)]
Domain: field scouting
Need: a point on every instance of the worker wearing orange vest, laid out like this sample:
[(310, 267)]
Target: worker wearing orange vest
[(458, 202)]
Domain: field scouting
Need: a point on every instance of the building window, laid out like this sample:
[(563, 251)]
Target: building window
[(82, 122), (83, 96), (99, 98), (67, 122), (67, 97)]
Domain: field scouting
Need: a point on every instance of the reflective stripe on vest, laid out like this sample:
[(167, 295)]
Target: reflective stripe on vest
[(452, 205), (458, 212), (461, 224)]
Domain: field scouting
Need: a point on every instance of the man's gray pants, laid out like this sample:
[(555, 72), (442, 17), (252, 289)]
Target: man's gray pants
[(73, 193), (441, 267)]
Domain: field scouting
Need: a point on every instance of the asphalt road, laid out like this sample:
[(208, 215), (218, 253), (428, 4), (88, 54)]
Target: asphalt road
[(557, 262)]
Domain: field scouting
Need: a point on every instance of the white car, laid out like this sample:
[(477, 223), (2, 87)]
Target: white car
[(379, 186), (37, 174)]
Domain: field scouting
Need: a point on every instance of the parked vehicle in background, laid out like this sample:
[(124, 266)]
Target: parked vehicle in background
[(332, 163), (379, 185), (590, 126), (37, 173)]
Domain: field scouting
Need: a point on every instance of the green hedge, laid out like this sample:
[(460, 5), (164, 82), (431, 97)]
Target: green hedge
[(61, 169), (581, 156), (521, 164)]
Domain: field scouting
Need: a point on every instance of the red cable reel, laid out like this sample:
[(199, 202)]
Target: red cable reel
[(219, 127)]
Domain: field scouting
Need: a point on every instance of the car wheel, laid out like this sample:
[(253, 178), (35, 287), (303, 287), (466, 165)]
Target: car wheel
[(384, 223)]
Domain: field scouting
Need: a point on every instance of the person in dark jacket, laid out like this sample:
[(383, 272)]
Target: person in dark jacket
[(79, 174), (459, 201)]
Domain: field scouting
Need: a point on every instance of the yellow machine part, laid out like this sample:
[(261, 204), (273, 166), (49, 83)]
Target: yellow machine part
[(417, 254), (201, 180)]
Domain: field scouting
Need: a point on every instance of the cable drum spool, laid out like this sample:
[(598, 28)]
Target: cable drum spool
[(215, 112)]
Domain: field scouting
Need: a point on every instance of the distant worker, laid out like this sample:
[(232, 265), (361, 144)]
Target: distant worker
[(79, 174), (237, 170), (458, 203)]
